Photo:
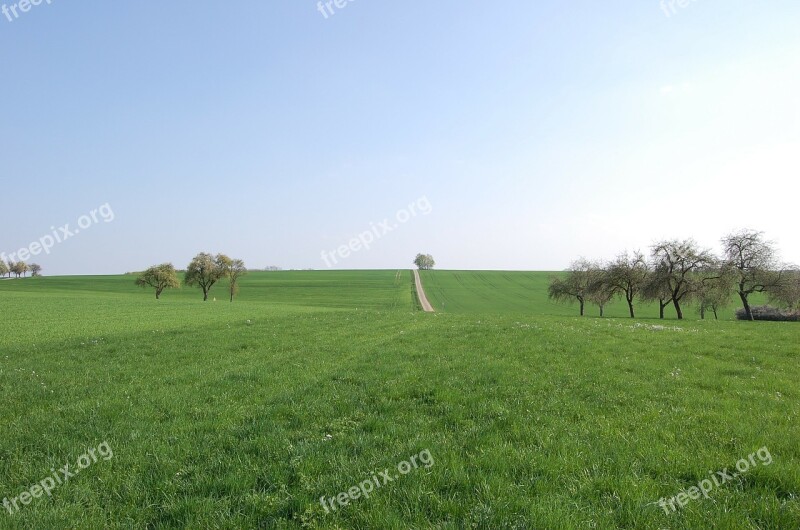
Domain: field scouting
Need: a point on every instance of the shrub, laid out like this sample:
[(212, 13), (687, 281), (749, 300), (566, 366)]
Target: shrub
[(766, 312)]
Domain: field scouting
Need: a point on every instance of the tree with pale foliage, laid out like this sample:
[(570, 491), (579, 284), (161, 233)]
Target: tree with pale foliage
[(4, 270), (677, 263), (574, 285), (204, 271), (754, 262), (424, 262), (19, 268), (787, 294), (36, 269), (233, 270), (628, 275), (159, 277)]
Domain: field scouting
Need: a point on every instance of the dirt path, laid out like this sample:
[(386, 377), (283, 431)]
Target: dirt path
[(423, 300)]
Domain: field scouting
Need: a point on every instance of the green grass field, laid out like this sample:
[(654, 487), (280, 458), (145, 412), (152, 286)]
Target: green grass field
[(244, 415), (501, 292)]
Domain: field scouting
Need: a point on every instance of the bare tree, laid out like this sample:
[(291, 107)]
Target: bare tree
[(204, 271), (36, 269), (424, 262), (714, 293), (754, 262), (656, 289), (159, 277), (677, 262), (628, 275), (788, 292), (601, 290), (574, 285)]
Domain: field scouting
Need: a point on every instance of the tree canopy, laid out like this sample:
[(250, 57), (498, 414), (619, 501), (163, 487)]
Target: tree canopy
[(424, 262), (159, 277)]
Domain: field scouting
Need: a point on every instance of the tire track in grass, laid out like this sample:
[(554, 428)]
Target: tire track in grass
[(473, 288)]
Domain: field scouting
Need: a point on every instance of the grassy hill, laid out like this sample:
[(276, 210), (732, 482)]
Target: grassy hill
[(243, 415), (329, 289)]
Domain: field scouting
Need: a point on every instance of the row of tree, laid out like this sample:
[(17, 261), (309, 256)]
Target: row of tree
[(679, 272), (204, 272), (19, 269)]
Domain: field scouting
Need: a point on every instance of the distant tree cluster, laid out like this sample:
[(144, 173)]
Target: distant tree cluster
[(424, 262), (678, 273), (204, 271), (19, 269)]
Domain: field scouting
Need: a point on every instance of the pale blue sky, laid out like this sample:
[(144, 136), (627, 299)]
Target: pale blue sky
[(538, 131)]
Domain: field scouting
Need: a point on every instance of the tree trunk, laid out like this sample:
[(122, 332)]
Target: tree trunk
[(205, 295), (158, 294), (702, 312), (581, 307), (677, 305), (601, 310), (630, 307), (747, 312), (715, 313), (661, 306)]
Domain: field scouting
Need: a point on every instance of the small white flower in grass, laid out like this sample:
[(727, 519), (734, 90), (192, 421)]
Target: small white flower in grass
[(328, 437)]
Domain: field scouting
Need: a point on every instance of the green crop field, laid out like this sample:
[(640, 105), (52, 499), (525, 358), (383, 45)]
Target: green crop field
[(245, 415), (503, 292)]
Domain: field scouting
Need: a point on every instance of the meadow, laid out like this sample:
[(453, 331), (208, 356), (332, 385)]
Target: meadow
[(503, 292), (245, 414)]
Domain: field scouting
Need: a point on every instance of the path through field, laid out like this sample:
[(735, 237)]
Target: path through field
[(423, 300)]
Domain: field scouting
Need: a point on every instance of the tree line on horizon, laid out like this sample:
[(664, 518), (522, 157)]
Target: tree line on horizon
[(204, 271), (19, 268), (679, 272)]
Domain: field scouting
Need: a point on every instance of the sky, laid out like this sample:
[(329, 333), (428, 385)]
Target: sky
[(511, 135)]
